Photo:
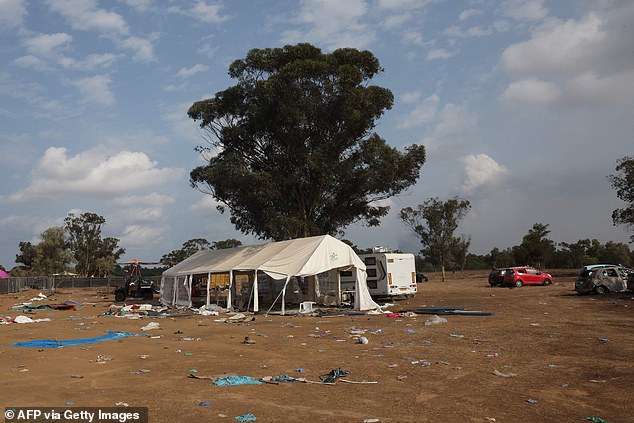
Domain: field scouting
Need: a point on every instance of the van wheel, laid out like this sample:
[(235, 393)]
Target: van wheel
[(601, 290), (546, 281), (519, 283)]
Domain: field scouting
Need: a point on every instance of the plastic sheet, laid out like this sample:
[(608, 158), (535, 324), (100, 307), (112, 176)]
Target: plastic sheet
[(53, 343)]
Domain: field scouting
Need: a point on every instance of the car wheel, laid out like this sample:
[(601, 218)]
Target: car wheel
[(518, 283), (119, 295), (601, 290), (547, 282)]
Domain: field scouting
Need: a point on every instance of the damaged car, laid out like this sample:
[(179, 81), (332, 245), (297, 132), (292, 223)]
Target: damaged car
[(603, 279)]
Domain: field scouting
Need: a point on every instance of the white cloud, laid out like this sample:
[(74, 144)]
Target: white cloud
[(525, 9), (96, 89), (48, 45), (468, 13), (93, 172), (413, 37), (89, 63), (531, 90), (333, 23), (30, 61), (139, 235), (400, 5), (12, 13), (151, 200), (143, 47), (188, 72), (424, 112), (472, 32), (207, 204), (481, 170), (558, 47), (590, 88), (440, 53), (86, 16), (580, 56), (202, 11), (140, 5), (454, 120)]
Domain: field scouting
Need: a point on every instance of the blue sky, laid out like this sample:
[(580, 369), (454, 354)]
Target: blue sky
[(524, 107)]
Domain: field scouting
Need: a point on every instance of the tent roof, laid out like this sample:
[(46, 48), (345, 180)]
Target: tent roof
[(295, 257)]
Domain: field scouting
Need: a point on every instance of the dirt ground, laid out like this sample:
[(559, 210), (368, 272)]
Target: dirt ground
[(571, 356)]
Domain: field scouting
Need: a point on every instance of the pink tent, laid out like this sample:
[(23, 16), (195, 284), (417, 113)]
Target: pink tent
[(4, 275)]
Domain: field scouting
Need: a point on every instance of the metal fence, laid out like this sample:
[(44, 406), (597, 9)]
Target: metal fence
[(51, 283)]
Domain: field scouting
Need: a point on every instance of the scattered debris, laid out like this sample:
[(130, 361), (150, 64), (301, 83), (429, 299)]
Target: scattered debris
[(151, 326), (435, 320), (246, 418), (502, 374)]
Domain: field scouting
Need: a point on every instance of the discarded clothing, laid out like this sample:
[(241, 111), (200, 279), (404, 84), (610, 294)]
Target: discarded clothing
[(333, 375), (53, 343), (236, 380), (246, 418)]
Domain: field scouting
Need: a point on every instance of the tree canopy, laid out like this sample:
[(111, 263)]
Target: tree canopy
[(623, 183), (93, 255), (195, 245), (434, 222), (290, 148)]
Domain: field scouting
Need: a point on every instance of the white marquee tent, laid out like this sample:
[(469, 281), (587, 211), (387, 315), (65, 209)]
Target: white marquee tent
[(318, 257)]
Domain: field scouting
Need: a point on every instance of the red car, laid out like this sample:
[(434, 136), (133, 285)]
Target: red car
[(525, 275)]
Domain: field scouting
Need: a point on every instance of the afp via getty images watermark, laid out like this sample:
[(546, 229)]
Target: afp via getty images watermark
[(76, 414)]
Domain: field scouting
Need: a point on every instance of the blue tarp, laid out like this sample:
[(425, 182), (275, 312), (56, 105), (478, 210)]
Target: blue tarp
[(53, 343), (236, 380)]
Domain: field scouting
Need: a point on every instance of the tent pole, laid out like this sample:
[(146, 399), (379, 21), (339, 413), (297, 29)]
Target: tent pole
[(282, 293), (208, 287), (288, 278), (256, 303), (229, 304)]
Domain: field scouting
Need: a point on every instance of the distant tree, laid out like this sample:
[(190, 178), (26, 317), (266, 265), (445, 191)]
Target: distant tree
[(93, 255), (291, 152), (623, 183), (458, 252), (189, 248), (500, 258), (227, 243), (26, 256), (616, 253), (52, 254), (535, 248), (476, 262), (580, 253), (434, 223)]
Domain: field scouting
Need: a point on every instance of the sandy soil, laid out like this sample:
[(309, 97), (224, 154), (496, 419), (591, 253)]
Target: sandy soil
[(571, 356)]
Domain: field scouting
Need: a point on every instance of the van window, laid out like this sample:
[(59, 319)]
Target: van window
[(371, 273), (346, 273), (370, 261)]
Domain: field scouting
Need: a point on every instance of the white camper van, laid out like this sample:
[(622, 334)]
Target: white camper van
[(389, 274)]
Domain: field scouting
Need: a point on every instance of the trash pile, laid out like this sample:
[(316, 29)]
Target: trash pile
[(136, 311), (7, 320)]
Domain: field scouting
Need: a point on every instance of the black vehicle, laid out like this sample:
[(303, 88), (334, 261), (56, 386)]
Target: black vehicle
[(134, 285), (421, 277), (496, 277)]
